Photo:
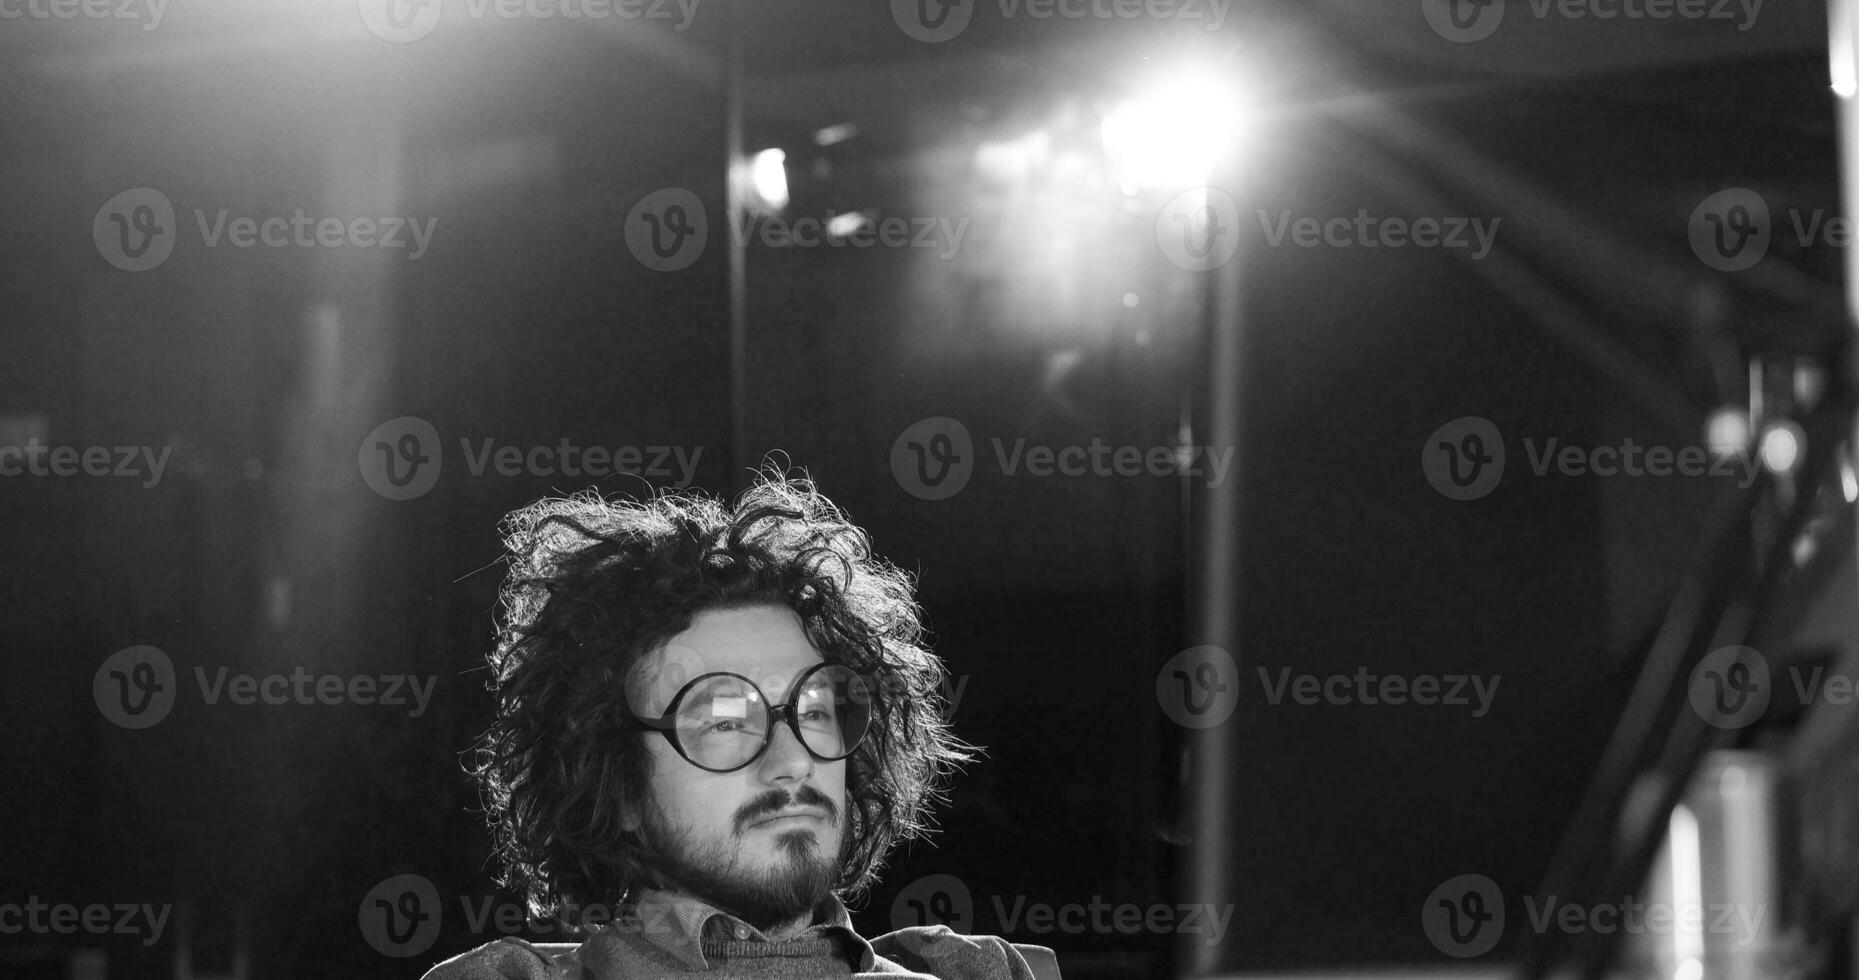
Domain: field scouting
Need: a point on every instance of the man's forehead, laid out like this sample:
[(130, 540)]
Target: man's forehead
[(766, 645)]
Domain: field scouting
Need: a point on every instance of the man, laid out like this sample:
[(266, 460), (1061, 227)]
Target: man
[(711, 723)]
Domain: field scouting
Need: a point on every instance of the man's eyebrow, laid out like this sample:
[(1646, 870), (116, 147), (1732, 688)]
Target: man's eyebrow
[(789, 680)]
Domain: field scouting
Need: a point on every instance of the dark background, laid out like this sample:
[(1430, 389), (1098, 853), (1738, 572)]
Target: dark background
[(1056, 599)]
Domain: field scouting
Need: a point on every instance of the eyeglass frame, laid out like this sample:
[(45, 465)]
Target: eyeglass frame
[(667, 725)]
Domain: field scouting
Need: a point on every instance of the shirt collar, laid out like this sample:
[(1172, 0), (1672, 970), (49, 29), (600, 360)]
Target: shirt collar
[(678, 924)]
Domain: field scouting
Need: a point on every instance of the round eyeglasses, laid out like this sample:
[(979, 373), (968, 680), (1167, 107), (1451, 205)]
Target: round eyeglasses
[(722, 722)]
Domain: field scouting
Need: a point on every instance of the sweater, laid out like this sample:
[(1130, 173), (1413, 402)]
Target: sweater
[(665, 936)]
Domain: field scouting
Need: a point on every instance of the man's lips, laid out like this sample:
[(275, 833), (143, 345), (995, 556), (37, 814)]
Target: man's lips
[(789, 815)]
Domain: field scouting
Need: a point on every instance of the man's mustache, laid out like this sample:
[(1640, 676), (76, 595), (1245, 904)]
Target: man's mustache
[(775, 801)]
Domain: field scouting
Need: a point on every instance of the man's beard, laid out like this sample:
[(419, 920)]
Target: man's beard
[(801, 876)]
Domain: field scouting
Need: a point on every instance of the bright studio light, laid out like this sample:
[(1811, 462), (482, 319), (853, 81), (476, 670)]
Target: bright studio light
[(768, 181), (1178, 131)]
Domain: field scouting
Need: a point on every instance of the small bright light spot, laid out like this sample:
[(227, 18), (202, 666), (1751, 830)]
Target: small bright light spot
[(1840, 47), (828, 135), (1781, 447), (1130, 300), (1727, 431), (768, 177), (1806, 546), (1849, 481), (1810, 382), (1178, 131), (1014, 160), (841, 225)]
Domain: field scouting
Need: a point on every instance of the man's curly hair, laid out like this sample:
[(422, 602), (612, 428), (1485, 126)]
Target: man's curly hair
[(595, 585)]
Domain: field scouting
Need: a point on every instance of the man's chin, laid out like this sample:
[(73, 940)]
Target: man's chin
[(791, 854), (787, 887), (776, 874)]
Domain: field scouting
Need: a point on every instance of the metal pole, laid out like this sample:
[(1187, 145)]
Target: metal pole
[(738, 250), (1214, 620)]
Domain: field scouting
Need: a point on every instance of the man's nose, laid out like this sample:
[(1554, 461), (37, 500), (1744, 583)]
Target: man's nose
[(787, 759)]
